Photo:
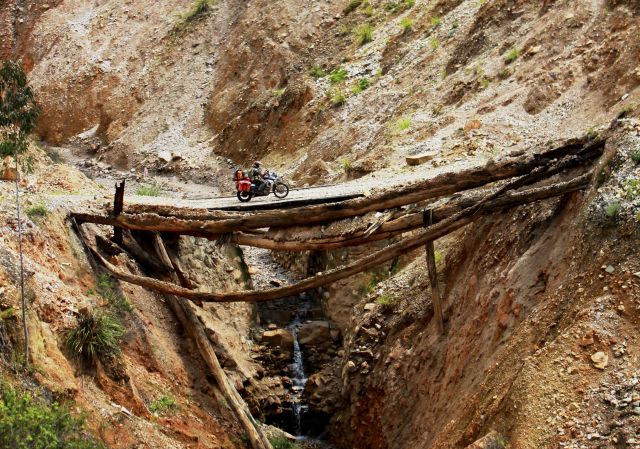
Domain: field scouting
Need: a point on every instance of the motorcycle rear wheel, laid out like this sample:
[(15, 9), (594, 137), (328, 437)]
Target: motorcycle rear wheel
[(244, 196), (280, 189)]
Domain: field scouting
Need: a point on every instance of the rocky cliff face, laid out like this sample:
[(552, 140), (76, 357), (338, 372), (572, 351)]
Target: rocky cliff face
[(390, 79)]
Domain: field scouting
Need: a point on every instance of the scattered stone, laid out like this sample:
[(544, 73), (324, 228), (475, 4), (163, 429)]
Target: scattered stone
[(351, 366), (600, 360), (609, 269), (369, 306)]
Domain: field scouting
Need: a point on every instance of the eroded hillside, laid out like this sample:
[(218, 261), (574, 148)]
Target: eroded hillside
[(540, 302)]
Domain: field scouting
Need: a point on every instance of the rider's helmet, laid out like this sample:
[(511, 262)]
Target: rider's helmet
[(257, 164)]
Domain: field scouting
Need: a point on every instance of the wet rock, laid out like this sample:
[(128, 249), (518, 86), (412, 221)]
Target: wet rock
[(278, 337), (315, 333)]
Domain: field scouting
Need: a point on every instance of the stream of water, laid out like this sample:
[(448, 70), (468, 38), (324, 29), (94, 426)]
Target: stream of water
[(299, 378)]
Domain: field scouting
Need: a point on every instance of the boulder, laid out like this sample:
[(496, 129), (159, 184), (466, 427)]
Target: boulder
[(315, 333), (278, 337)]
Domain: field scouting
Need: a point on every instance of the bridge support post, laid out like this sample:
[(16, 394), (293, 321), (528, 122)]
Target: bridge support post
[(433, 275), (118, 205)]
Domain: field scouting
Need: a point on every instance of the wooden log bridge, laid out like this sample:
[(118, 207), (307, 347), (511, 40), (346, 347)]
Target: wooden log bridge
[(398, 217)]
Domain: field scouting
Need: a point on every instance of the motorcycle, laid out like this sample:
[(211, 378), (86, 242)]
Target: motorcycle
[(246, 189)]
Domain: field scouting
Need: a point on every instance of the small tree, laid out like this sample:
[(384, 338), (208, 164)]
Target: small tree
[(18, 118)]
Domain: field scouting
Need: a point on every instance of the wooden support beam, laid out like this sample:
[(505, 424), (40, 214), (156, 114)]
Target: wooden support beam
[(433, 275), (118, 206), (190, 321)]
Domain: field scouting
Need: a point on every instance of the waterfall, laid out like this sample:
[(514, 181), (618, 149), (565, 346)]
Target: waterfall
[(299, 378)]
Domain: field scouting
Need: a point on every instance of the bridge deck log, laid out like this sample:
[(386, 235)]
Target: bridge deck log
[(190, 221)]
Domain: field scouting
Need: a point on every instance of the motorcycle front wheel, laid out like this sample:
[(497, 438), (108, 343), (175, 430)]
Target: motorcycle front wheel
[(280, 189), (244, 196)]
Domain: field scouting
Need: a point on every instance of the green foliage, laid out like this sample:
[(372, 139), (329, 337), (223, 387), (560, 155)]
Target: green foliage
[(163, 405), (436, 110), (364, 34), (592, 132), (402, 124), (337, 97), (511, 56), (37, 212), (386, 300), (434, 43), (28, 424), (148, 190), (317, 72), (7, 313), (632, 188), (279, 92), (282, 443), (436, 21), (106, 289), (504, 74), (346, 165), (400, 5), (484, 82), (18, 109), (368, 10), (338, 75), (199, 9), (437, 255), (96, 334), (352, 6), (406, 24), (612, 210), (635, 156), (363, 84)]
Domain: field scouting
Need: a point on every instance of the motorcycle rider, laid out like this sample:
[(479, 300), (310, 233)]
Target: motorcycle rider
[(256, 175)]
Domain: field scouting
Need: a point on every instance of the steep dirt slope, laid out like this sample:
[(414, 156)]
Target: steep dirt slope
[(531, 296)]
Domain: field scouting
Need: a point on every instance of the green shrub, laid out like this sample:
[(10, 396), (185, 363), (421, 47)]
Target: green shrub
[(96, 334), (511, 56), (364, 34), (282, 443), (436, 21), (368, 11), (400, 5), (403, 124), (163, 405), (338, 75), (26, 423), (632, 188), (279, 92), (352, 6), (385, 299), (337, 97), (612, 210), (317, 72), (346, 165), (199, 9), (484, 82), (105, 288), (363, 84), (635, 156), (434, 43), (148, 190), (37, 212), (406, 24), (504, 74)]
